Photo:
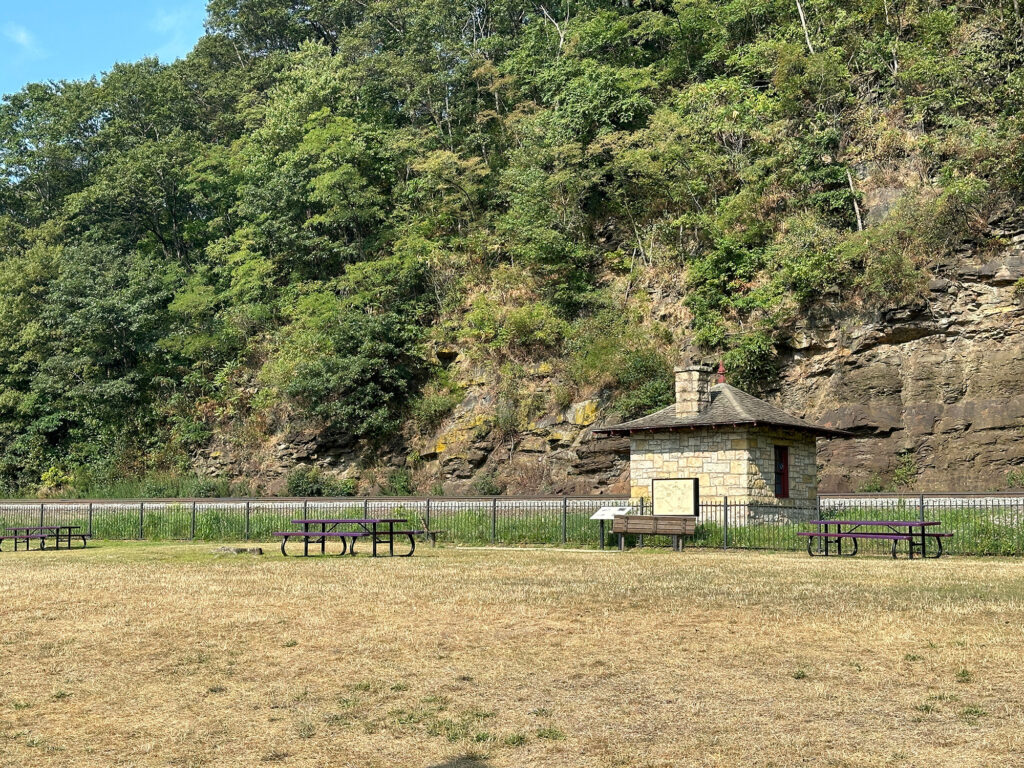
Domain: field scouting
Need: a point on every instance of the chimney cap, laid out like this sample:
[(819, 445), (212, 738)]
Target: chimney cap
[(721, 372), (703, 366)]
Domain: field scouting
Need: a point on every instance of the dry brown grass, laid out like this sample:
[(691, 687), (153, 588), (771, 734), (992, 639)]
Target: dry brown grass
[(165, 655)]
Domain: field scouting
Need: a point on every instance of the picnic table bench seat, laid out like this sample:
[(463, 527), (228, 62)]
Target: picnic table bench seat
[(896, 536), (24, 537)]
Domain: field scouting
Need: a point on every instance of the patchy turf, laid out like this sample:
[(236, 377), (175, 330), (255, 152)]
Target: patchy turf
[(168, 655)]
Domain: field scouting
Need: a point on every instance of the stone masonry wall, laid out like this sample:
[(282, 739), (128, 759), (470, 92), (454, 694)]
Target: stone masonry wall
[(803, 465), (738, 463)]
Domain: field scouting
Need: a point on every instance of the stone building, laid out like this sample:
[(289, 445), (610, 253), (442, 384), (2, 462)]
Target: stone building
[(736, 445)]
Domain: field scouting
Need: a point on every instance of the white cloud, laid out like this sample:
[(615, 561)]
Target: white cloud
[(22, 38)]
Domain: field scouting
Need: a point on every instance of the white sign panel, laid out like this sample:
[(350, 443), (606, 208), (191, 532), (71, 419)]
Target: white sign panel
[(675, 496), (609, 513)]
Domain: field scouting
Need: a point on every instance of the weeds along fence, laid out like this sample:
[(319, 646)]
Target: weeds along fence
[(989, 524), (508, 521)]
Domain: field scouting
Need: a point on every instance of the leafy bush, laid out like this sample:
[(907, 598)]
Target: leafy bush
[(487, 485), (645, 383), (1015, 478), (431, 408), (360, 374), (532, 328), (398, 483), (905, 474), (752, 364), (306, 480)]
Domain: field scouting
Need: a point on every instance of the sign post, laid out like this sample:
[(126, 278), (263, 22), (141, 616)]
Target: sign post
[(609, 513)]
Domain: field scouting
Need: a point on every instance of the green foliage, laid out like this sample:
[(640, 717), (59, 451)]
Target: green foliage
[(532, 328), (1015, 478), (307, 481), (487, 485), (645, 383), (873, 485), (905, 474), (398, 483), (272, 228), (431, 408), (611, 349), (752, 364)]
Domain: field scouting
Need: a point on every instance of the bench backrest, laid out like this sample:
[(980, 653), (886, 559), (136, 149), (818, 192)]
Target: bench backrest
[(655, 525)]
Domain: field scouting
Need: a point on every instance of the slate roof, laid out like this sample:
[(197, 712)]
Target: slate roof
[(729, 407)]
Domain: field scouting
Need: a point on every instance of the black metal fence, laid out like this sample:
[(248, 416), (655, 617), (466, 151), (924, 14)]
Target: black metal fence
[(981, 524)]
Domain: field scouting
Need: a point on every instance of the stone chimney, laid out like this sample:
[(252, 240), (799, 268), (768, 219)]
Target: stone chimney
[(693, 388)]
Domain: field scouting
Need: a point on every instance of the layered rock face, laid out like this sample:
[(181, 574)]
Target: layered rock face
[(933, 393), (936, 388)]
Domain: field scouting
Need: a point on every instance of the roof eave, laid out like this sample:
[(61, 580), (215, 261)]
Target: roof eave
[(817, 431)]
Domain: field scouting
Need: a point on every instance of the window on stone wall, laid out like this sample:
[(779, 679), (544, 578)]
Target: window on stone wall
[(782, 471)]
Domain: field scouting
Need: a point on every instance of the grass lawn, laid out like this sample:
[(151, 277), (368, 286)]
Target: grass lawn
[(166, 655)]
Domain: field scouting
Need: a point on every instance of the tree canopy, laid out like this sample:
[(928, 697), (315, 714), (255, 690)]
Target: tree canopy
[(289, 222)]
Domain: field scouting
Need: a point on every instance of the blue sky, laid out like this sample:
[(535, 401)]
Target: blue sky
[(74, 39)]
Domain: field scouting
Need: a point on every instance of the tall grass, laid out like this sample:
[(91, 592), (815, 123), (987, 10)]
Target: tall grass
[(977, 530)]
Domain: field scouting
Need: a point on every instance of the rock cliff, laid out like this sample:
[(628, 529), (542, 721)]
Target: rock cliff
[(933, 393)]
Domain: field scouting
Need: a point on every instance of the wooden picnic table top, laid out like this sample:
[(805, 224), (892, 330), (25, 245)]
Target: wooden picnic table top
[(880, 523), (352, 520)]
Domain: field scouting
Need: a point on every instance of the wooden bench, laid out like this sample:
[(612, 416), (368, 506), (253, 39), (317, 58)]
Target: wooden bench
[(675, 526), (25, 537)]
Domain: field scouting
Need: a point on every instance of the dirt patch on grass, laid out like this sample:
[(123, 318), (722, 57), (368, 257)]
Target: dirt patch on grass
[(165, 655)]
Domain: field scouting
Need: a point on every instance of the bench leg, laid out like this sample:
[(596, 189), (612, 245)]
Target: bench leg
[(622, 542), (284, 540), (433, 539)]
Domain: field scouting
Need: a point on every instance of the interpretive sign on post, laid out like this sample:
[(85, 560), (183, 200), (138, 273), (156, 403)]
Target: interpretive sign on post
[(609, 513)]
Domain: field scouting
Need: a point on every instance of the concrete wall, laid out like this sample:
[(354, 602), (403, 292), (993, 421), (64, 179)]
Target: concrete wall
[(734, 462)]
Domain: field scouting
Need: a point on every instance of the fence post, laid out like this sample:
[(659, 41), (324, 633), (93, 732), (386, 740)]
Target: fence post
[(90, 519), (366, 509), (193, 531), (42, 507), (725, 522), (817, 516), (427, 518), (565, 518), (641, 505), (142, 520), (494, 519), (920, 506), (247, 520)]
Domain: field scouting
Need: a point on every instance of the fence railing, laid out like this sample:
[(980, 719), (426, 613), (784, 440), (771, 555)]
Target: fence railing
[(982, 524)]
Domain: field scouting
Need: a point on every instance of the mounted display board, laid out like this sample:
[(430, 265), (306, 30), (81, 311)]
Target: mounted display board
[(675, 496), (609, 513)]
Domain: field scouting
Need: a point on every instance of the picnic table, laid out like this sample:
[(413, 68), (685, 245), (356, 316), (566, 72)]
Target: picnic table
[(40, 533), (319, 530), (914, 532)]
